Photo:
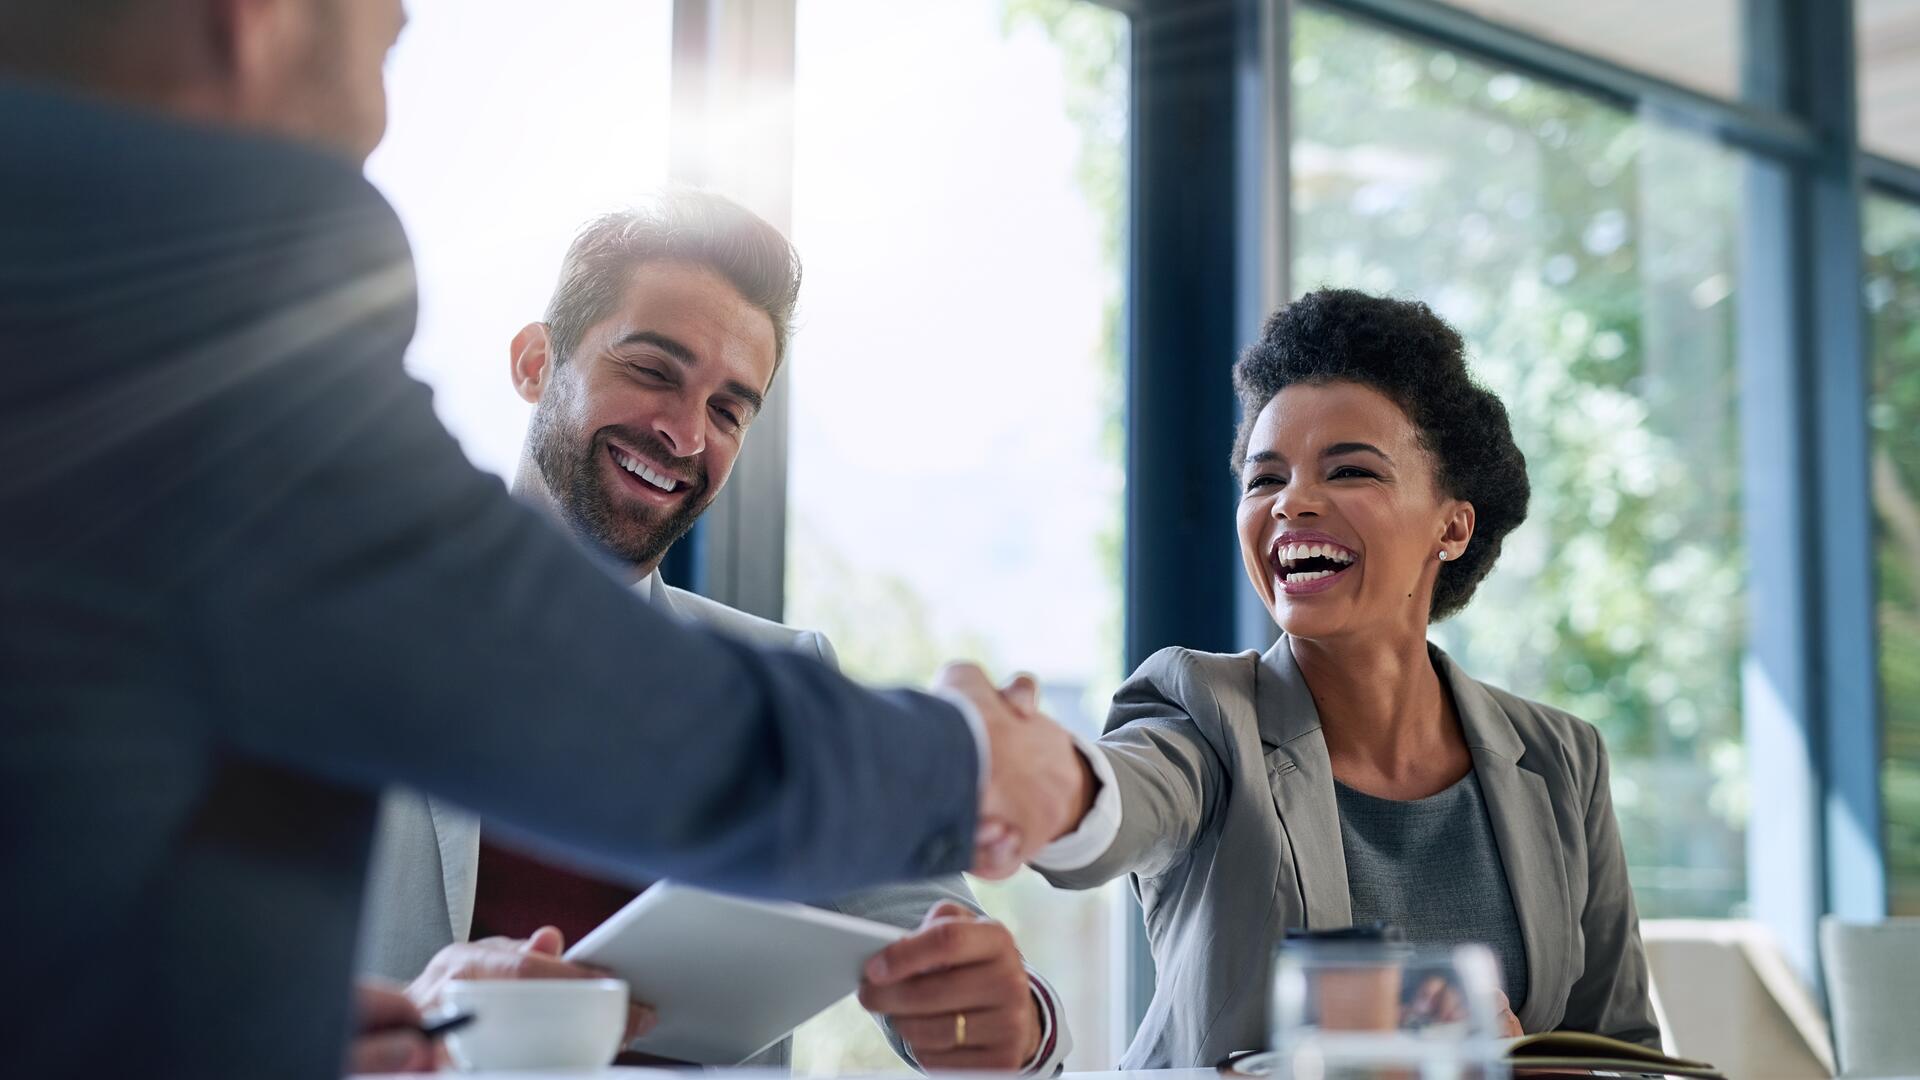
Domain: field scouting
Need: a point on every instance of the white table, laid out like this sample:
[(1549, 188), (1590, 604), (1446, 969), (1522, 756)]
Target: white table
[(623, 1073)]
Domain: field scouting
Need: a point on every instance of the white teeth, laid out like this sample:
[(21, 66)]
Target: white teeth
[(1302, 579), (1289, 554), (664, 483)]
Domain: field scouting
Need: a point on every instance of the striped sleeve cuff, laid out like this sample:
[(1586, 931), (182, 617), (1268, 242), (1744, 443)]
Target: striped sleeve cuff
[(1056, 1042)]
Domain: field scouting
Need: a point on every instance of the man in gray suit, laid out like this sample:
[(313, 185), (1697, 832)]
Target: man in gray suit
[(667, 324), (250, 582)]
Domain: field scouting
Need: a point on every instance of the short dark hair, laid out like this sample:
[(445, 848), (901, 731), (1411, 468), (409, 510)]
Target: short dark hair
[(65, 40), (1406, 352), (684, 225)]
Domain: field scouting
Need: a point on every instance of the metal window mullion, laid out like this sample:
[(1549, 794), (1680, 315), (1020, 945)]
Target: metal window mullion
[(1811, 696), (1899, 179)]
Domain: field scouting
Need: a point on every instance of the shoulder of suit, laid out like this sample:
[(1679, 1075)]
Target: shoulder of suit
[(743, 625), (1186, 669), (1539, 717), (1555, 734), (1203, 684)]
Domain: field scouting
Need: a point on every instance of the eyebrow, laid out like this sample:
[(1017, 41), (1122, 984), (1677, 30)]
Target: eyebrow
[(1336, 450), (684, 357)]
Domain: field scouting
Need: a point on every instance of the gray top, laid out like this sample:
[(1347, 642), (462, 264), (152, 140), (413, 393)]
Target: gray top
[(1431, 867)]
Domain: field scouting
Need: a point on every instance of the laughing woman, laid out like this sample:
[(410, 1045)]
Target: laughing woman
[(1353, 773)]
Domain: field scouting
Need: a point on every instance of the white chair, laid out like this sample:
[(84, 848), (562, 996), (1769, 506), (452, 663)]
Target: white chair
[(1726, 995), (1873, 986)]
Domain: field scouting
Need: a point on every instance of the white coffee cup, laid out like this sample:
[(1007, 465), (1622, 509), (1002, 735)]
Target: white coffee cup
[(537, 1023)]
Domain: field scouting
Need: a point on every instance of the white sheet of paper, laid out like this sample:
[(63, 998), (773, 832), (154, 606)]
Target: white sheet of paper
[(729, 976)]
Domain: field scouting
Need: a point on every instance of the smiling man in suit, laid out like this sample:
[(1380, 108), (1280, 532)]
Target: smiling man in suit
[(658, 347)]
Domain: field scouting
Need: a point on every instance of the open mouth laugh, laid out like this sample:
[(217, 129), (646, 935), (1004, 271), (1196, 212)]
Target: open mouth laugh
[(647, 479), (1309, 565)]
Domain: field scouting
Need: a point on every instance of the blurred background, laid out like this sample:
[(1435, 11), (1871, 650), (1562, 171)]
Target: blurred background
[(1682, 240)]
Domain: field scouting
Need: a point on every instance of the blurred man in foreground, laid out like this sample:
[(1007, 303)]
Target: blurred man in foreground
[(250, 581), (658, 347)]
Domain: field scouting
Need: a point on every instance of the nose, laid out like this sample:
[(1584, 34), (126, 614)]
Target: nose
[(683, 428), (1295, 501)]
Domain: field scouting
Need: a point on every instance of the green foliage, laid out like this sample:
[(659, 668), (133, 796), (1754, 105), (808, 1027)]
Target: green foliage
[(1893, 303), (1588, 257)]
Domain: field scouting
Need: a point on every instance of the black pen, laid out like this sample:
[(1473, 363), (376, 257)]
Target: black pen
[(433, 1029)]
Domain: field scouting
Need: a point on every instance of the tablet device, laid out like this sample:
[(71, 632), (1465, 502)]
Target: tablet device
[(728, 976)]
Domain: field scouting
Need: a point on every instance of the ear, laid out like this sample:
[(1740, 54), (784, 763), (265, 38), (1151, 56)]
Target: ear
[(1457, 529), (532, 361), (252, 41)]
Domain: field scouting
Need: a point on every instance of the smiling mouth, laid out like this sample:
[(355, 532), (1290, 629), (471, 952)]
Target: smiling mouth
[(1310, 566), (645, 473)]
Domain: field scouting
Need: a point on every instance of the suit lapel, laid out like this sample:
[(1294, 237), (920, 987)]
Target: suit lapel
[(1521, 812), (458, 835), (1301, 776)]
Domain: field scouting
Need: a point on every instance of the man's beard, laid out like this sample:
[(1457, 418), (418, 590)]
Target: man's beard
[(577, 484)]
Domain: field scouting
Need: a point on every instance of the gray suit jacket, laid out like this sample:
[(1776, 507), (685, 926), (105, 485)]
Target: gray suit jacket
[(426, 852), (1231, 834)]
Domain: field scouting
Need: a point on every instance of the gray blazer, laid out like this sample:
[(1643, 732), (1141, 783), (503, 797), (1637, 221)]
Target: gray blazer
[(426, 851), (1230, 833)]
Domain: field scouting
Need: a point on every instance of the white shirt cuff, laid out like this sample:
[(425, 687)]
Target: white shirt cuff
[(982, 747), (1056, 1042), (1098, 829)]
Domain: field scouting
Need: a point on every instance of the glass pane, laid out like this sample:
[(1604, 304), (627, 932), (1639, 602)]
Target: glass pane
[(1893, 299), (1696, 43), (955, 469), (492, 165), (1888, 32), (1589, 259)]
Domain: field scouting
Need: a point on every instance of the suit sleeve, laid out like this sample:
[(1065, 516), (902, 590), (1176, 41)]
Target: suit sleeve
[(376, 610), (1611, 997), (1168, 775)]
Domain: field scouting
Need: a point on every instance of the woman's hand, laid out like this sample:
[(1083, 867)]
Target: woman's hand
[(1440, 1002), (1504, 1019)]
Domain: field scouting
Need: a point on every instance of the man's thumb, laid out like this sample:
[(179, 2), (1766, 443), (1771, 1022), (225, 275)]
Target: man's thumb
[(949, 909), (547, 940)]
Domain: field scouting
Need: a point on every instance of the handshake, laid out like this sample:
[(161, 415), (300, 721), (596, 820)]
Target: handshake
[(1039, 785)]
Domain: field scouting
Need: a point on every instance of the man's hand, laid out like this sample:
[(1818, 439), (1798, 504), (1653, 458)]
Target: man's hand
[(537, 957), (957, 965), (1039, 787), (387, 1026)]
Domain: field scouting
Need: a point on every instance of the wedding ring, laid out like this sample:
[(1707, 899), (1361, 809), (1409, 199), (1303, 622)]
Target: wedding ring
[(959, 1029)]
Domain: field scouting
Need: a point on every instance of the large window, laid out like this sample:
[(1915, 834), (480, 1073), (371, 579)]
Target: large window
[(505, 135), (1589, 258), (1893, 299), (955, 464)]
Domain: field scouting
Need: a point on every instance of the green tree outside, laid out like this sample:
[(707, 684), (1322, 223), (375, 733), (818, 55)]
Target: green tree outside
[(1893, 303)]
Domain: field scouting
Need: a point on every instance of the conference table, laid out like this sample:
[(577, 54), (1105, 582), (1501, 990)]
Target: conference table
[(623, 1073)]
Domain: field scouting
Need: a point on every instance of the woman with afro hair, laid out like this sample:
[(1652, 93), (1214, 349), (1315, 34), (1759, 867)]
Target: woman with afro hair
[(1353, 774)]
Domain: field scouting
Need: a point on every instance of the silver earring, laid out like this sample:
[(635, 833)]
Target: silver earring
[(1443, 556)]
